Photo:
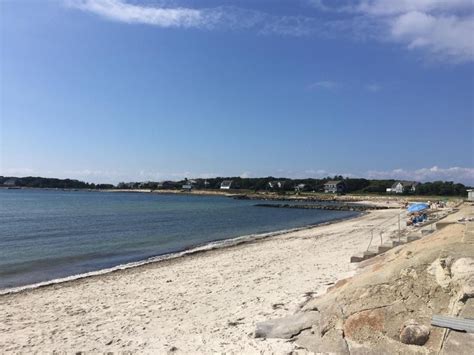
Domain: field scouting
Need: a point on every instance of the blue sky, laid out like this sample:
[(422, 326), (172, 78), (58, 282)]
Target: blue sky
[(114, 90)]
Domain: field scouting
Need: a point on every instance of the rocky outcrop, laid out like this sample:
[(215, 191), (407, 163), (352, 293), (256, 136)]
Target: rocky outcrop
[(388, 307)]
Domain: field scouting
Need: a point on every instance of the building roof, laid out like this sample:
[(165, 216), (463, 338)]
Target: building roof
[(10, 182), (333, 182), (226, 183)]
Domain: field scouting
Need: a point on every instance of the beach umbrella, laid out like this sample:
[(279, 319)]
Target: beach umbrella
[(417, 207)]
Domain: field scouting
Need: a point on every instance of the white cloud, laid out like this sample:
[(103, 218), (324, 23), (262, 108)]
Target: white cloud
[(17, 171), (456, 174), (222, 17), (246, 174), (447, 36), (442, 27), (395, 7), (119, 10)]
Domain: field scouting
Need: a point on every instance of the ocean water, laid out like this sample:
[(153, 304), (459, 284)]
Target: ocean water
[(49, 234)]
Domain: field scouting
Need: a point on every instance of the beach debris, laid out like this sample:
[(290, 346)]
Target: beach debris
[(414, 333), (287, 327), (234, 323)]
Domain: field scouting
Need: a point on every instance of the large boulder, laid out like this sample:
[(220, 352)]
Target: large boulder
[(414, 333)]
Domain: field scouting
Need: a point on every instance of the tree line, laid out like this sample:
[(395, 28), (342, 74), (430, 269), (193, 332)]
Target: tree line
[(271, 184), (50, 183)]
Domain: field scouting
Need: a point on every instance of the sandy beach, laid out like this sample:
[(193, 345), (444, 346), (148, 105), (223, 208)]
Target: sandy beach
[(202, 303)]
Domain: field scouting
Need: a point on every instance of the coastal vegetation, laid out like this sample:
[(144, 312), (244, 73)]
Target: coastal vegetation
[(281, 186), (50, 183)]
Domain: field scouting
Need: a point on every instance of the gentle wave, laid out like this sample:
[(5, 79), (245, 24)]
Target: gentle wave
[(199, 249)]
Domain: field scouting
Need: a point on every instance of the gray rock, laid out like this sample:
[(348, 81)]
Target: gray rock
[(287, 327), (332, 342), (414, 333), (330, 317), (440, 269), (463, 269)]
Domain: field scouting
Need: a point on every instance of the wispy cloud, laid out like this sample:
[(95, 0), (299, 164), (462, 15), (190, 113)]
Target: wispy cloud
[(457, 174), (441, 27), (325, 85), (332, 85), (220, 17), (119, 10)]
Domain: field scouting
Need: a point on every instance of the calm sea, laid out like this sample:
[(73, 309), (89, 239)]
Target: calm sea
[(46, 235)]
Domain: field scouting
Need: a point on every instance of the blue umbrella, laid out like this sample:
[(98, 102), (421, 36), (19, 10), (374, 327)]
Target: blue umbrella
[(417, 207)]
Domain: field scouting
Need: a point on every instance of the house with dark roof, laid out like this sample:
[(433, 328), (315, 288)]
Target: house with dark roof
[(401, 187), (334, 187)]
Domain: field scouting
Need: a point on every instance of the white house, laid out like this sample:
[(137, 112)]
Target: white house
[(226, 185), (300, 187), (10, 182), (276, 184), (470, 195), (334, 187), (403, 186)]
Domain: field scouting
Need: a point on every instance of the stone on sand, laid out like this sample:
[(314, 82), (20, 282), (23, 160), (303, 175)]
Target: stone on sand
[(414, 333), (287, 327)]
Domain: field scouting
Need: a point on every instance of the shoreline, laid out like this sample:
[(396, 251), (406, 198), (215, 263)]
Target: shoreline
[(221, 244), (206, 302), (271, 196)]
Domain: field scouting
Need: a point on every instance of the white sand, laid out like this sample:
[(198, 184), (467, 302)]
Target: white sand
[(204, 303)]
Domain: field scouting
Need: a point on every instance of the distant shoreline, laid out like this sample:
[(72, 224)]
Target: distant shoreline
[(270, 196)]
